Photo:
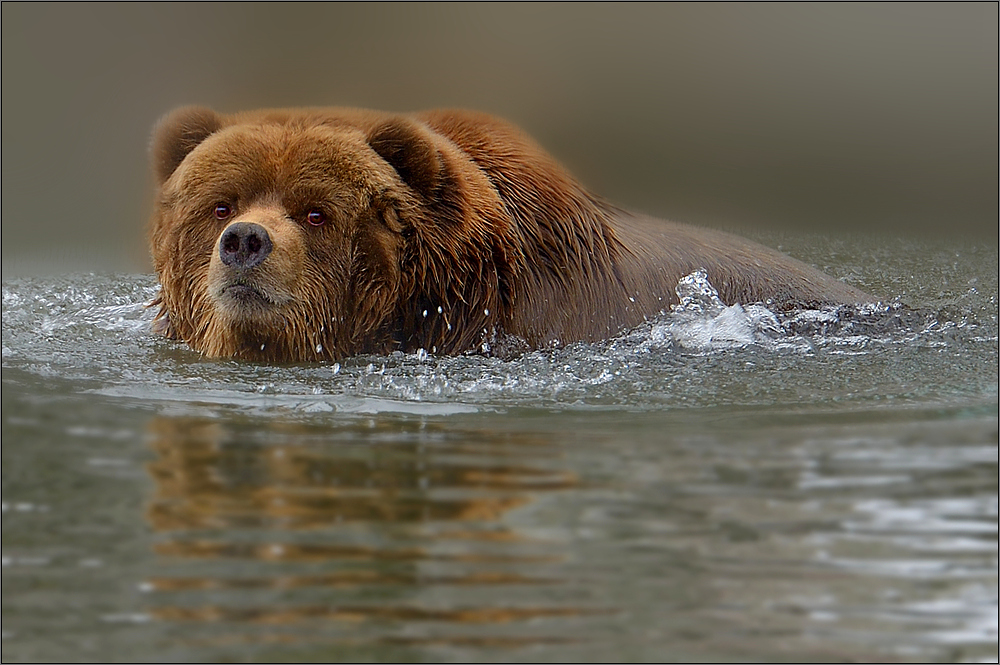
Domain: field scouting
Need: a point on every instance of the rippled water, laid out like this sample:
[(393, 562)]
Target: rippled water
[(718, 484)]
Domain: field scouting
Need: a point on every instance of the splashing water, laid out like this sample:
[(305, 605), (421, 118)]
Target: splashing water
[(702, 321), (697, 295), (95, 329)]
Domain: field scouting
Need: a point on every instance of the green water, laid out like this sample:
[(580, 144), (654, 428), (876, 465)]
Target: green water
[(731, 485)]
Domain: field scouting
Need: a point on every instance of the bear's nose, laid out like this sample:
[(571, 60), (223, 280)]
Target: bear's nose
[(244, 245)]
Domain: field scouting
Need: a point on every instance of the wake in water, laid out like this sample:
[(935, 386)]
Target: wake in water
[(38, 316), (94, 331)]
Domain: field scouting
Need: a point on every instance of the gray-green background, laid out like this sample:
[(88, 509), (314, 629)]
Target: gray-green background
[(872, 118)]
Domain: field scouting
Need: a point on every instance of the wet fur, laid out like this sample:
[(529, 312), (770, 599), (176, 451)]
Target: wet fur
[(446, 230)]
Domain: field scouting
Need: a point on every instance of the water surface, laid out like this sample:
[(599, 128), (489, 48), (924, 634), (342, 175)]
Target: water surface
[(717, 484)]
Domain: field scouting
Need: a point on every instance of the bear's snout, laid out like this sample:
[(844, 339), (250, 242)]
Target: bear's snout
[(244, 245)]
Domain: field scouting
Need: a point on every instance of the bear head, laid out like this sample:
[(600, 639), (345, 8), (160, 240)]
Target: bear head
[(318, 234)]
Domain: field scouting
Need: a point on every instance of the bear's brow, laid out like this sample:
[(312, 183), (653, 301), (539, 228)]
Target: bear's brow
[(299, 198)]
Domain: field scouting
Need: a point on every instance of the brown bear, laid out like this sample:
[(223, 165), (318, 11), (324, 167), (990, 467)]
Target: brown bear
[(315, 234)]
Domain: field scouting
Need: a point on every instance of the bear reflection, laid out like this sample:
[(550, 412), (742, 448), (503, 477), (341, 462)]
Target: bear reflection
[(291, 509), (208, 477)]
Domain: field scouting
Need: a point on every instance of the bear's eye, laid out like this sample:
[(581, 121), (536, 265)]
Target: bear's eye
[(222, 211), (316, 217)]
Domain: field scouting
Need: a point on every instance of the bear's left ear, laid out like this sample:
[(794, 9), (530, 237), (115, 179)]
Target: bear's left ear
[(179, 133), (410, 149)]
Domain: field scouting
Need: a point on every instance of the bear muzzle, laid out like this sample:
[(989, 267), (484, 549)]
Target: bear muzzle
[(243, 246), (253, 270)]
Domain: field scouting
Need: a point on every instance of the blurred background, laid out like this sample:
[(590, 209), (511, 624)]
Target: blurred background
[(828, 118)]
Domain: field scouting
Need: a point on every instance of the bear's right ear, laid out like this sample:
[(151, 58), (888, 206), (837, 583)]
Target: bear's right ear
[(179, 133), (410, 149)]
